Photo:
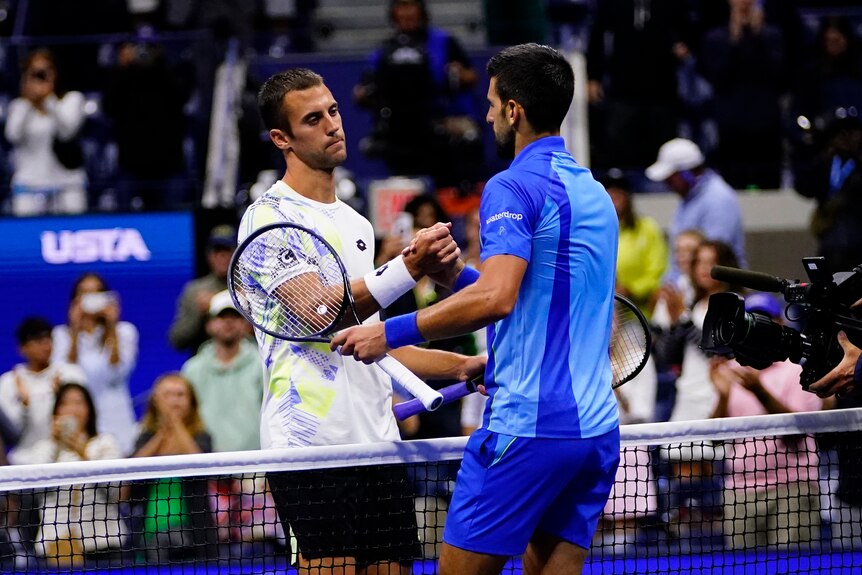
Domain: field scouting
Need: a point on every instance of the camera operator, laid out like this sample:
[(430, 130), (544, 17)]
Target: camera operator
[(829, 170), (754, 483), (845, 376)]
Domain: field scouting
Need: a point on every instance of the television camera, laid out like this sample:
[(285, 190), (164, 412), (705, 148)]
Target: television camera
[(824, 304)]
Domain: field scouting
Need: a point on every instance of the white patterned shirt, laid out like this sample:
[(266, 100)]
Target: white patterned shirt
[(313, 396)]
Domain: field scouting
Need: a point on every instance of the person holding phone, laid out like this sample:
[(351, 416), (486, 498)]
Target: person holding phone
[(37, 119), (85, 519), (106, 348)]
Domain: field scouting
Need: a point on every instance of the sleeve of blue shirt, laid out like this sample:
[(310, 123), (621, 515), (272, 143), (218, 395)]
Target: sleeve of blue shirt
[(507, 219)]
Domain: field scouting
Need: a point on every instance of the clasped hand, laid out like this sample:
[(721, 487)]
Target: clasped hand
[(432, 252)]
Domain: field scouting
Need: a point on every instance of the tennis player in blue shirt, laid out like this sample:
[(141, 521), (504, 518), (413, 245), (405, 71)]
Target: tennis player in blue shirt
[(536, 476)]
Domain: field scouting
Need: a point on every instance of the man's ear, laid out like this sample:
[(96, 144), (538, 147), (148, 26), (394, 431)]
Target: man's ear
[(513, 112), (280, 139)]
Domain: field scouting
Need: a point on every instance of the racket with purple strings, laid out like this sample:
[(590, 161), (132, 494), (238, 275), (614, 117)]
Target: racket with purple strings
[(629, 351)]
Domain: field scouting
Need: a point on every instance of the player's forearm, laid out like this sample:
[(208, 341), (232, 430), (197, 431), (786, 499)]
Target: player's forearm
[(470, 309), (366, 305), (489, 298), (430, 363)]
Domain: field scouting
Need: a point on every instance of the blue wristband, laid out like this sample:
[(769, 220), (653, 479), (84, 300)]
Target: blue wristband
[(402, 330), (857, 373), (468, 276)]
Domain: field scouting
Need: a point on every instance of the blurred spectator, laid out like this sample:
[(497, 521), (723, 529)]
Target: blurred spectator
[(82, 519), (28, 391), (672, 298), (643, 255), (425, 211), (771, 493), (744, 61), (227, 377), (419, 89), (176, 517), (679, 288), (42, 126), (695, 396), (833, 177), (634, 51), (832, 77), (144, 98), (708, 203), (188, 328), (694, 490), (106, 348)]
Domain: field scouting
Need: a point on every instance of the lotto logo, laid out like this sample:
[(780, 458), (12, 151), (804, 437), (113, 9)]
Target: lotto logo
[(87, 246)]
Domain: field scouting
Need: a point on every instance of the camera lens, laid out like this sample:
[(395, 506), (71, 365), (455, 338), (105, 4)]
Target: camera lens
[(725, 331)]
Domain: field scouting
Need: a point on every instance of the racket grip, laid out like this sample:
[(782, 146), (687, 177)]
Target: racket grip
[(450, 393), (428, 397)]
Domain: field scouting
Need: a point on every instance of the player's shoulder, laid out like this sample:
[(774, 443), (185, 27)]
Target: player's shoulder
[(508, 178), (267, 209)]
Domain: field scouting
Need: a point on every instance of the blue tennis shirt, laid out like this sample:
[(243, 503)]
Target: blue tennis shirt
[(548, 371)]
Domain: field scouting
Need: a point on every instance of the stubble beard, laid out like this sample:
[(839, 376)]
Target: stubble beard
[(505, 144)]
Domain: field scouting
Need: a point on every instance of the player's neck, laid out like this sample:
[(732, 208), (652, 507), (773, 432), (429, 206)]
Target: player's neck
[(525, 137), (317, 185)]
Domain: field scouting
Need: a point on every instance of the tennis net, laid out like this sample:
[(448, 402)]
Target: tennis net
[(772, 494)]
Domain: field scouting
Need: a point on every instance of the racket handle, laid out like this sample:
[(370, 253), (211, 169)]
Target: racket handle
[(450, 393), (428, 397)]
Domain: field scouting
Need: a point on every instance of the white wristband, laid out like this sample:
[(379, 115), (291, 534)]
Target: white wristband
[(389, 282)]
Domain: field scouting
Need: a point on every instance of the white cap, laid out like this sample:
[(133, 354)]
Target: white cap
[(674, 156), (220, 302)]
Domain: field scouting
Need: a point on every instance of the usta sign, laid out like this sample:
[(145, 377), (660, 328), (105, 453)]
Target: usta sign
[(88, 246)]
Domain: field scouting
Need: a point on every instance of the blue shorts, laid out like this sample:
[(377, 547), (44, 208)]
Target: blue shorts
[(510, 487)]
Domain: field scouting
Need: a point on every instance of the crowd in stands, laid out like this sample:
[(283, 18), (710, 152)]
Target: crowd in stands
[(683, 96), (120, 123)]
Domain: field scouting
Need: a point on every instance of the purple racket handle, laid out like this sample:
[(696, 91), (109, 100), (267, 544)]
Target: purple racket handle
[(450, 393)]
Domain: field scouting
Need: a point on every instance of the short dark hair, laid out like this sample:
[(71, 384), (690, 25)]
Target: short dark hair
[(33, 327), (273, 91), (539, 78)]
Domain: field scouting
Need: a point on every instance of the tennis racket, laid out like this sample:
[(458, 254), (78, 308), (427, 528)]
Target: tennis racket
[(290, 283), (629, 351)]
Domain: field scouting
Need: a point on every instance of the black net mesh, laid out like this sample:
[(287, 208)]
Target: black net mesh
[(746, 502)]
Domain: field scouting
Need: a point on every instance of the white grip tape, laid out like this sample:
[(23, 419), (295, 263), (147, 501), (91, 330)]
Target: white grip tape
[(389, 282), (430, 398)]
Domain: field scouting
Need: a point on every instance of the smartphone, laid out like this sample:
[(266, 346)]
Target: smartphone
[(97, 301), (402, 227), (68, 425)]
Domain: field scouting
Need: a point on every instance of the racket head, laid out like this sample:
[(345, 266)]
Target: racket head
[(631, 341), (289, 283)]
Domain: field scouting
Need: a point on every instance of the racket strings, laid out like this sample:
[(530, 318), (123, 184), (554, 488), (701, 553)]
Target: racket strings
[(629, 343), (289, 283)]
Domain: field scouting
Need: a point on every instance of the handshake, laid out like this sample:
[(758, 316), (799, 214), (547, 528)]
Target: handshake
[(433, 252)]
